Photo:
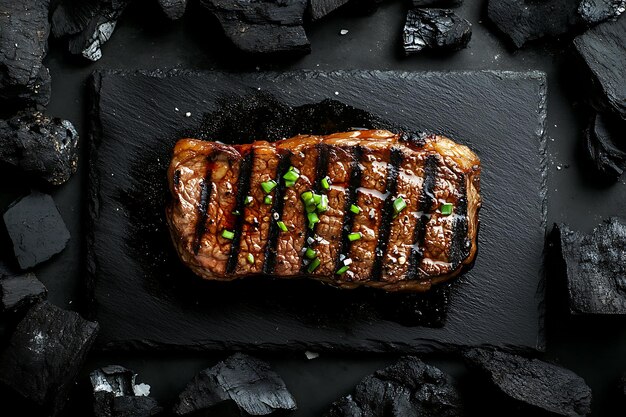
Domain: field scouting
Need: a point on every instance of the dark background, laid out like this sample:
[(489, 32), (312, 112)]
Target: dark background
[(145, 39)]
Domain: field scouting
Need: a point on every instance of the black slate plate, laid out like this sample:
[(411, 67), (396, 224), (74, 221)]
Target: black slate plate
[(140, 304)]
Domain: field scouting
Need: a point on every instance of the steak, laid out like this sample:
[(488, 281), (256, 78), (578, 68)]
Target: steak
[(363, 208)]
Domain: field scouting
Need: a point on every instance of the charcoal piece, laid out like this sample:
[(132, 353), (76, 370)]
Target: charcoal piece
[(603, 50), (240, 380), (526, 20), (88, 23), (531, 386), (436, 3), (24, 28), (320, 8), (408, 388), (20, 291), (44, 355), (173, 9), (40, 146), (36, 229), (270, 26), (435, 29), (595, 267), (596, 11), (606, 145)]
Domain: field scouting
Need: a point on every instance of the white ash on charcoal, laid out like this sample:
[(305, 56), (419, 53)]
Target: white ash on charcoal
[(530, 387), (240, 386), (606, 145), (39, 146), (436, 29), (173, 9), (19, 291), (88, 24), (44, 355), (408, 388), (116, 394), (596, 11), (267, 27), (595, 267), (24, 29), (36, 229)]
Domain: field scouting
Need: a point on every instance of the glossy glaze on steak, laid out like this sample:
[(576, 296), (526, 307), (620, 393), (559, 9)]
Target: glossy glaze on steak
[(385, 225)]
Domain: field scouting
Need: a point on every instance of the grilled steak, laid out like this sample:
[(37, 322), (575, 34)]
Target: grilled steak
[(363, 208)]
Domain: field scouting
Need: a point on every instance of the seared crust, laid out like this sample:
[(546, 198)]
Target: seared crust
[(410, 251)]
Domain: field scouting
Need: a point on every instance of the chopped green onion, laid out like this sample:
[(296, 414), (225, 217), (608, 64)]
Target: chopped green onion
[(313, 265), (446, 209), (227, 234), (313, 219), (310, 253), (268, 199), (323, 204), (290, 183), (236, 212), (268, 186), (355, 209), (250, 258), (399, 204), (291, 175), (355, 236), (306, 196), (282, 226), (342, 270), (248, 200), (310, 208), (317, 198), (325, 183)]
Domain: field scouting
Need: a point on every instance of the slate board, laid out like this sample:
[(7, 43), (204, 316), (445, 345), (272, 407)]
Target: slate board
[(139, 305)]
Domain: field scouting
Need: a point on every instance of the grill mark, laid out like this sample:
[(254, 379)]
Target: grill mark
[(351, 197), (278, 204), (426, 203), (321, 169), (391, 188), (460, 244), (205, 194), (243, 188)]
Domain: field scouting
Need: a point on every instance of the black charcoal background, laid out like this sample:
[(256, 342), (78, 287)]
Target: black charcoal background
[(145, 39)]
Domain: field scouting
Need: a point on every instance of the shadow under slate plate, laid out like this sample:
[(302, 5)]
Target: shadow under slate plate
[(145, 298)]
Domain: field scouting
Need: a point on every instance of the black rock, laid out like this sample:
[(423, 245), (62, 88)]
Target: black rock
[(44, 355), (526, 20), (20, 291), (436, 3), (246, 384), (117, 395), (408, 388), (24, 28), (36, 229), (173, 9), (87, 23), (596, 11), (435, 29), (595, 267), (320, 8), (533, 387), (269, 26), (606, 145), (40, 146), (604, 52)]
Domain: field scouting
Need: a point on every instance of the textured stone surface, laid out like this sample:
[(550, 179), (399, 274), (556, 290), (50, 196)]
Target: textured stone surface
[(606, 144), (174, 9), (438, 29), (320, 8), (596, 11), (435, 3), (20, 291)]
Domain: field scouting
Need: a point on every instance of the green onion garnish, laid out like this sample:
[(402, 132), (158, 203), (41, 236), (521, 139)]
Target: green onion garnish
[(399, 204), (446, 209), (250, 258), (355, 209), (314, 264), (248, 200), (236, 212), (227, 234), (268, 199), (317, 198), (325, 183), (282, 226), (355, 236), (268, 186), (342, 270), (289, 183), (310, 253), (312, 220), (291, 175), (306, 196), (323, 204)]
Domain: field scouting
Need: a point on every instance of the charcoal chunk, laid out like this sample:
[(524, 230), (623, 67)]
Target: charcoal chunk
[(435, 29), (408, 388), (596, 11), (36, 229), (44, 355), (40, 146), (436, 3), (24, 29), (534, 387), (20, 291), (87, 23), (173, 9), (526, 20), (262, 27), (603, 50), (606, 145), (320, 8), (242, 381), (596, 267)]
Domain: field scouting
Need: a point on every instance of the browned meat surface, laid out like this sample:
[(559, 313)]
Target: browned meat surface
[(363, 208)]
